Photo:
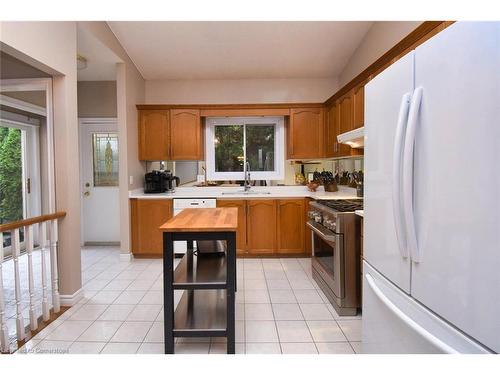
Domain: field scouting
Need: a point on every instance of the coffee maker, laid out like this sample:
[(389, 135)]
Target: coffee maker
[(171, 182), (160, 181), (155, 182)]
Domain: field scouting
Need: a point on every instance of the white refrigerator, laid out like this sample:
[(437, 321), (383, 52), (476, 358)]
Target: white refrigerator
[(431, 268)]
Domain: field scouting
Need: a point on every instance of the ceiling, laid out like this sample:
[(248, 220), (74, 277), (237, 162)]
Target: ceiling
[(101, 61), (239, 50)]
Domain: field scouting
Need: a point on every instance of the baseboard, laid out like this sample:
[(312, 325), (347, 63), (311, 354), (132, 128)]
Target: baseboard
[(71, 299), (102, 243), (126, 257)]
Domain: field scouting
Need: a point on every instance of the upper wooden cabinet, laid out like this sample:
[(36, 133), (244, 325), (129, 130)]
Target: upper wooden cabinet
[(291, 226), (154, 133), (241, 233), (146, 216), (175, 134), (261, 226), (358, 96), (305, 133), (330, 132), (186, 134), (345, 115)]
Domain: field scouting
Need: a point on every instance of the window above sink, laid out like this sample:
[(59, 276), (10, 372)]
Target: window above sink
[(232, 141)]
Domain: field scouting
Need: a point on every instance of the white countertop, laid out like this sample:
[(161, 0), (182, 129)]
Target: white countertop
[(360, 213), (275, 192)]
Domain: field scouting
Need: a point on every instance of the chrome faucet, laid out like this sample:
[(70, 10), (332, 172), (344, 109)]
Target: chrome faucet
[(246, 185)]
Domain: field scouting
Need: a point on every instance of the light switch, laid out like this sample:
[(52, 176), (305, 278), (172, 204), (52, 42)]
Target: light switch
[(131, 180)]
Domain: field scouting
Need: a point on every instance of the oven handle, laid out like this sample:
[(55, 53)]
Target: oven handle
[(322, 232)]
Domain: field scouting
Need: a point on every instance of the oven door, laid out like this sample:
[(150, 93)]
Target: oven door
[(328, 257)]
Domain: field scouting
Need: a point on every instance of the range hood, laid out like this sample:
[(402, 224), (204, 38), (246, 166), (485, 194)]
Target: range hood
[(355, 138)]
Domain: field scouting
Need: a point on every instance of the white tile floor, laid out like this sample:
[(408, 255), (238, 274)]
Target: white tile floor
[(279, 309)]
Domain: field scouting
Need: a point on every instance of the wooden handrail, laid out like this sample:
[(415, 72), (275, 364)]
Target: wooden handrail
[(33, 220)]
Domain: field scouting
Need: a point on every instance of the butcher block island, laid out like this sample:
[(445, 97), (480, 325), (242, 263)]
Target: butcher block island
[(207, 275)]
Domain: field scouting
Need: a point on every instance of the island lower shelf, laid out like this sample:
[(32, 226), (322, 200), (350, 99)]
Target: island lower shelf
[(201, 313), (200, 272)]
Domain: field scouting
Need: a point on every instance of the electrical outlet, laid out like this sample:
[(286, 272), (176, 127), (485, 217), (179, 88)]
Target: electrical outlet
[(131, 180)]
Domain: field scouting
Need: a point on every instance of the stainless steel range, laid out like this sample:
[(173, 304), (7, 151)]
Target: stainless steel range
[(336, 252)]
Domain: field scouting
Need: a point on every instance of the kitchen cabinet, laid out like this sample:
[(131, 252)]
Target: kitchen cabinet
[(358, 96), (241, 233), (307, 230), (186, 134), (330, 132), (305, 133), (175, 134), (147, 215), (154, 133), (343, 114), (290, 226), (261, 226), (346, 113)]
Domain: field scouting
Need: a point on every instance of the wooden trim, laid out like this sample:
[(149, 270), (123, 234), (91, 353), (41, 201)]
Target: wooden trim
[(230, 106), (241, 112), (387, 58), (34, 220)]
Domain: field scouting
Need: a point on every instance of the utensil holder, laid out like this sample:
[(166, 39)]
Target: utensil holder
[(331, 187)]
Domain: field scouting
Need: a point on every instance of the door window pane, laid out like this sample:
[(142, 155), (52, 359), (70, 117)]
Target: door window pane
[(105, 151), (228, 143), (260, 147)]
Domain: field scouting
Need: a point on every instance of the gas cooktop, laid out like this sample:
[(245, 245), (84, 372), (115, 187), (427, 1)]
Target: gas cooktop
[(343, 205)]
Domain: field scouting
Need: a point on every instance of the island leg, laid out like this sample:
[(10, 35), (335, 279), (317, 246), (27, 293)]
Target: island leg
[(231, 287), (168, 291)]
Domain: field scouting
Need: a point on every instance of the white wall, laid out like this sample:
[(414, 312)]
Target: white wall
[(130, 87), (381, 37), (51, 47), (97, 98), (240, 91)]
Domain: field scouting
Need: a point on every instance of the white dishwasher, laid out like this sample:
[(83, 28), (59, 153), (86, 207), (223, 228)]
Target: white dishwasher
[(180, 247)]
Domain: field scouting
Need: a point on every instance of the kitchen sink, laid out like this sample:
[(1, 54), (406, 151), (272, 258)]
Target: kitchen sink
[(250, 192)]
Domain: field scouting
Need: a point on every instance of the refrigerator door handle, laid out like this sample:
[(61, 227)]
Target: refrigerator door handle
[(411, 235), (445, 348), (396, 174)]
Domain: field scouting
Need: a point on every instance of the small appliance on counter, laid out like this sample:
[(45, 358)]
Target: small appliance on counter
[(159, 181)]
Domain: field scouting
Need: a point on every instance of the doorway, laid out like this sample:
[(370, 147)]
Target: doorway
[(99, 160)]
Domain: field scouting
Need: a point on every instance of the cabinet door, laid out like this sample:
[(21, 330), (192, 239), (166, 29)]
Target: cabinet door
[(154, 130), (291, 226), (147, 215), (359, 107), (330, 134), (186, 134), (307, 230), (261, 225), (340, 148), (305, 138), (241, 233), (345, 114)]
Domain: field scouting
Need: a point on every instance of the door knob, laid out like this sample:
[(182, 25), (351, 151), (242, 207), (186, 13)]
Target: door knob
[(86, 194)]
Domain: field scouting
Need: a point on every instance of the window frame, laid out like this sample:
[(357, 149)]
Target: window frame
[(279, 147)]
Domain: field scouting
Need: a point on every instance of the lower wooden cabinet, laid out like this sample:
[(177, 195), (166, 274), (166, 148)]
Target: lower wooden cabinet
[(241, 234), (270, 226), (291, 226), (146, 216), (266, 227), (261, 224)]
